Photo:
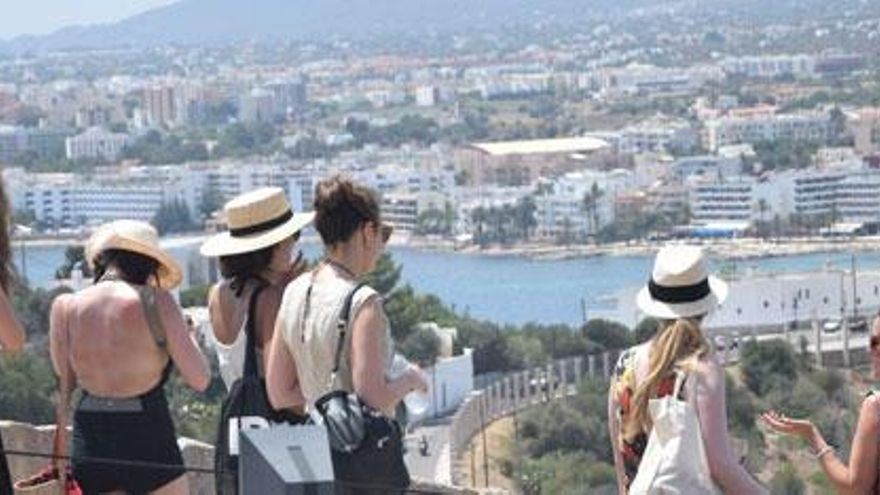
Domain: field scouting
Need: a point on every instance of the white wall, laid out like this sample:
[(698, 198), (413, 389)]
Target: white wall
[(449, 382)]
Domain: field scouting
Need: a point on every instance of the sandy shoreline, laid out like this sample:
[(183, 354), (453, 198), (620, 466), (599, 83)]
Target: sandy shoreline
[(735, 249)]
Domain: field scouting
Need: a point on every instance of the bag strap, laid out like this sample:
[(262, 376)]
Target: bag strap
[(342, 327), (147, 295), (250, 354), (680, 377)]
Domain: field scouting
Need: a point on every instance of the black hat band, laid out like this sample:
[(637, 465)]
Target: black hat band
[(680, 294), (261, 227)]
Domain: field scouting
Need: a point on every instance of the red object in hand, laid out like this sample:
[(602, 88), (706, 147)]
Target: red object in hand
[(48, 476)]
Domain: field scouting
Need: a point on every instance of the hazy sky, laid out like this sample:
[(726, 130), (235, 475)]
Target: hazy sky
[(43, 16)]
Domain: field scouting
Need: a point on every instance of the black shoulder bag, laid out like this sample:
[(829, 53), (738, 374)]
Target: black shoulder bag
[(246, 406), (366, 446)]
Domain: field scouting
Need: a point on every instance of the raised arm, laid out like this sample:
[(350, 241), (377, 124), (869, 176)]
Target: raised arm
[(11, 332), (711, 403), (182, 345), (861, 474), (367, 368)]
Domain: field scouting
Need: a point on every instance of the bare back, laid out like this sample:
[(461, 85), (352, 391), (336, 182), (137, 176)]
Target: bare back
[(112, 351)]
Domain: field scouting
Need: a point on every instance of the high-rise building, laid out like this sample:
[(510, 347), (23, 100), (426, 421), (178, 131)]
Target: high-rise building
[(159, 106)]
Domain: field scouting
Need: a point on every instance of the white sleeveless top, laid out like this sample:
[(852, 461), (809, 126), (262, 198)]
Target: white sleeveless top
[(230, 358), (313, 345)]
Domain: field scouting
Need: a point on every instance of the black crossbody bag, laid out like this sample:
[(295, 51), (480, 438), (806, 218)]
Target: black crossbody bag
[(365, 445)]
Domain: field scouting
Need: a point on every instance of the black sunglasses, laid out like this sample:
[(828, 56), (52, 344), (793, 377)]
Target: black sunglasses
[(874, 342), (386, 230)]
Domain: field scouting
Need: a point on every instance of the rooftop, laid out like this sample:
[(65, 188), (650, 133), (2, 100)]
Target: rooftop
[(541, 146)]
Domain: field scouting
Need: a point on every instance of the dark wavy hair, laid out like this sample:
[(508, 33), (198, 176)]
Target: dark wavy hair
[(7, 274), (135, 268), (239, 268), (341, 207)]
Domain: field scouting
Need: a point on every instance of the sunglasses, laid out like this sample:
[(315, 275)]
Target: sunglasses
[(386, 230), (874, 342)]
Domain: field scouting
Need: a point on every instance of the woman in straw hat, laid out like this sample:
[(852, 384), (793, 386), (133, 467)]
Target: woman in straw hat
[(11, 332), (680, 294), (118, 340), (860, 474), (255, 253)]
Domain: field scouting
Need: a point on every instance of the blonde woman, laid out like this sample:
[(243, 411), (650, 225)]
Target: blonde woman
[(860, 475), (679, 294)]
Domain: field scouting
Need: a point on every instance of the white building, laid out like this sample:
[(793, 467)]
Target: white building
[(766, 302), (710, 166), (656, 135), (648, 79), (402, 209), (805, 126), (427, 96), (771, 65), (561, 209), (258, 106), (95, 143)]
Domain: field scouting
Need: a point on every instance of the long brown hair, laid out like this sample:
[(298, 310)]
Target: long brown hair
[(678, 341), (6, 273)]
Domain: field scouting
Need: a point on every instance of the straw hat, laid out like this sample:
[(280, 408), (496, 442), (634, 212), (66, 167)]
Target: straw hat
[(680, 285), (136, 237), (256, 220)]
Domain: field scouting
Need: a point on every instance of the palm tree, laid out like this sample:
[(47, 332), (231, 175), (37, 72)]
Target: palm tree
[(590, 206)]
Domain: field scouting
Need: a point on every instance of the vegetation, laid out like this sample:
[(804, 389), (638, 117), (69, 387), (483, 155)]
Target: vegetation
[(173, 217)]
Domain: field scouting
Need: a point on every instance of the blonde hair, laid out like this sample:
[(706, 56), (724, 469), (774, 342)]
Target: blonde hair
[(677, 342)]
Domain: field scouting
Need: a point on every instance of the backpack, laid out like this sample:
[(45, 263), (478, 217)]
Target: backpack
[(674, 462)]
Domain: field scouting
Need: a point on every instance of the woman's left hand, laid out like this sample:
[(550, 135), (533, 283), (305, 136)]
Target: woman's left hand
[(803, 428)]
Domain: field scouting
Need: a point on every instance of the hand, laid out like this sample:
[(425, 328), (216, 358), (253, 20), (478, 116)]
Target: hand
[(417, 379), (296, 268), (796, 427)]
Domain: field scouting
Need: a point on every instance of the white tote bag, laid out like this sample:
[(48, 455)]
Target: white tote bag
[(674, 462)]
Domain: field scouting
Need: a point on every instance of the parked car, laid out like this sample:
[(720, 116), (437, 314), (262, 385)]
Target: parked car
[(831, 326)]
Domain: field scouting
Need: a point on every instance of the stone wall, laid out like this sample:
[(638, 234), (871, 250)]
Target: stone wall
[(24, 437)]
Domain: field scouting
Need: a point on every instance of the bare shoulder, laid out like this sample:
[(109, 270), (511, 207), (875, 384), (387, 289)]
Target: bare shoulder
[(63, 301)]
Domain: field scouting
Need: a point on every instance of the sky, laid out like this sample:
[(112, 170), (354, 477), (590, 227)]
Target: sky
[(43, 16)]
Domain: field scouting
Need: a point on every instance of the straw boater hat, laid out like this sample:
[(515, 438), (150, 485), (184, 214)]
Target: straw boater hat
[(680, 285), (256, 220), (136, 237)]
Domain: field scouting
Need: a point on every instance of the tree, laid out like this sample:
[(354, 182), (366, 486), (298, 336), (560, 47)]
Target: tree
[(525, 216), (212, 200), (646, 329), (385, 277), (74, 256), (422, 347), (787, 482), (590, 204), (609, 334), (27, 384), (772, 363), (173, 217)]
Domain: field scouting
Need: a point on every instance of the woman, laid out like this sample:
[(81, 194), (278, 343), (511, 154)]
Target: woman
[(11, 332), (861, 474), (256, 252), (118, 341), (303, 349), (680, 293)]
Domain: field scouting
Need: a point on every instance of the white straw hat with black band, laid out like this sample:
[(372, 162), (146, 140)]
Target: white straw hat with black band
[(136, 237), (680, 285), (256, 220)]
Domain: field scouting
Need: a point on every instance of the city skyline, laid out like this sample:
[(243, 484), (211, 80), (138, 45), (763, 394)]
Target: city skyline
[(46, 16)]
